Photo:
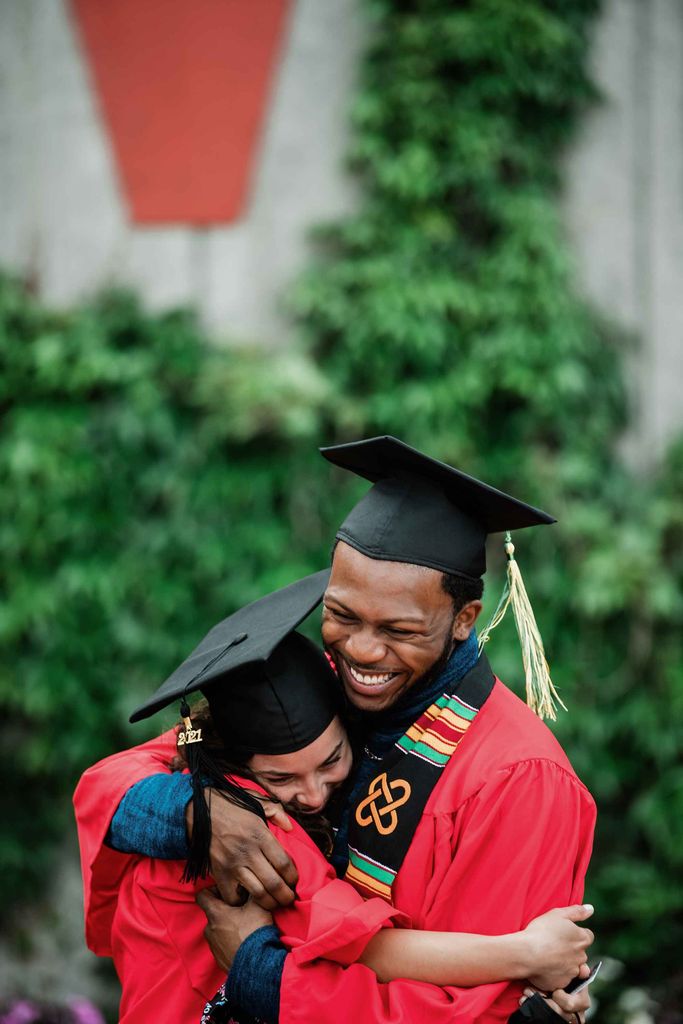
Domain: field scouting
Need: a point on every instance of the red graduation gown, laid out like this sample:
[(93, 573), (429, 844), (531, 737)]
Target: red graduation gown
[(139, 912), (506, 834)]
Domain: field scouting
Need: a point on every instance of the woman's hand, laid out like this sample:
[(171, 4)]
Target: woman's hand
[(228, 927), (571, 1007), (556, 947)]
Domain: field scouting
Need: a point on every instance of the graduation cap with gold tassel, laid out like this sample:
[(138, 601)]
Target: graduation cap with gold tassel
[(270, 691), (424, 512)]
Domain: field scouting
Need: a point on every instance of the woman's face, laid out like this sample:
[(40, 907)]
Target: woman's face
[(307, 778)]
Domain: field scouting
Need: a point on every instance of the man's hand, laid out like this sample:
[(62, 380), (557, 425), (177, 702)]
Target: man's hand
[(245, 855), (228, 927)]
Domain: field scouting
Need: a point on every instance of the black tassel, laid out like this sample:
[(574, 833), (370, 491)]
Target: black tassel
[(205, 775)]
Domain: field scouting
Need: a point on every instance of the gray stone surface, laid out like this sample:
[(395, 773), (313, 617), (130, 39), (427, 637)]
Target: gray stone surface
[(62, 217), (624, 206), (63, 221)]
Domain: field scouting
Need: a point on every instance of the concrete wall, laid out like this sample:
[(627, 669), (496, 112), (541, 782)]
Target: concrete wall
[(62, 220), (624, 205), (63, 223)]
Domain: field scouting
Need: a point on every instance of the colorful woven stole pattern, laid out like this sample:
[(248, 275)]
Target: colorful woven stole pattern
[(384, 821)]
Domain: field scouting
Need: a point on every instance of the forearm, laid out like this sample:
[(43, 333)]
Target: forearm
[(256, 975), (446, 958), (151, 818)]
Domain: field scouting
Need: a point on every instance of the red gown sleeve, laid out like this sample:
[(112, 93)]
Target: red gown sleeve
[(330, 918), (166, 968), (97, 796), (515, 849)]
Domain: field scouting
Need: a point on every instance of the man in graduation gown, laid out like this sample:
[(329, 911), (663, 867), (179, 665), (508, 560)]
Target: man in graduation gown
[(464, 813)]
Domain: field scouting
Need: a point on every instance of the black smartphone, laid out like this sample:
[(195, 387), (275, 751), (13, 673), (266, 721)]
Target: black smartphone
[(535, 1009), (579, 984)]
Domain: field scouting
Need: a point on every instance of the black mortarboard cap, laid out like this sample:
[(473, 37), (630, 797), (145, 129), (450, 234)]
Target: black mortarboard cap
[(245, 640), (423, 511), (277, 706), (269, 689)]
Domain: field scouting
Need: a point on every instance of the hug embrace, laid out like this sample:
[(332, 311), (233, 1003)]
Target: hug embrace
[(379, 831)]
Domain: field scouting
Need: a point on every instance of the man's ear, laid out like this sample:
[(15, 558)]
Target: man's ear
[(465, 620)]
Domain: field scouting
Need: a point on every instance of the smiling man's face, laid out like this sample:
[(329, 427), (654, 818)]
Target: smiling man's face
[(387, 625)]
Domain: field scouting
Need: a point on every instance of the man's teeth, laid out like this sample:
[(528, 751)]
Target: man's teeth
[(370, 679)]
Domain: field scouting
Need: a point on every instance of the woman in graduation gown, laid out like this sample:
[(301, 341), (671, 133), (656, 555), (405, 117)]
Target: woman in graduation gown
[(265, 705)]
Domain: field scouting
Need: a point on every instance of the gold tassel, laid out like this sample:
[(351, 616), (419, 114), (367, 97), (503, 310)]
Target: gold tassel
[(540, 691)]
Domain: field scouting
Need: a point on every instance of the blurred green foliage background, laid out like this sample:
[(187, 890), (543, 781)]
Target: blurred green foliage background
[(151, 482)]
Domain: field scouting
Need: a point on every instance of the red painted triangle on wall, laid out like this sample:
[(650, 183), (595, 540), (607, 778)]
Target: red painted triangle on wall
[(183, 88)]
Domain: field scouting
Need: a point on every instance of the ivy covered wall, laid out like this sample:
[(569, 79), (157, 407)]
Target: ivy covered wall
[(152, 483)]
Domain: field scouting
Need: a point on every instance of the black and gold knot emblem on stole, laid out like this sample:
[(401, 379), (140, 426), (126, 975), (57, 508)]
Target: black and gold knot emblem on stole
[(381, 804), (384, 821)]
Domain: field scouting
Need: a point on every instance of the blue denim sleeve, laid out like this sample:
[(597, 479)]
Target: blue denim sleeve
[(151, 818), (256, 974)]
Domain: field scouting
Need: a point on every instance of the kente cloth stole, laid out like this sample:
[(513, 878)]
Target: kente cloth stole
[(384, 821)]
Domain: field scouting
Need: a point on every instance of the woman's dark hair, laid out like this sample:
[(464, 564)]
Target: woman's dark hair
[(213, 750)]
